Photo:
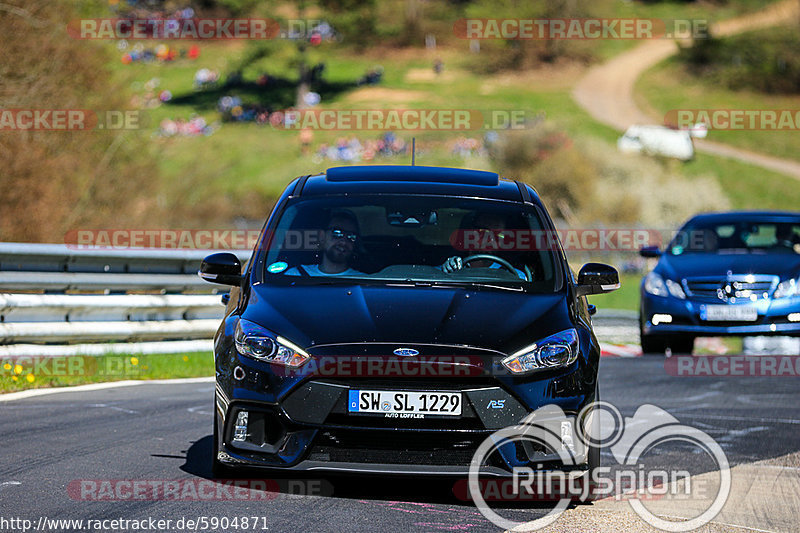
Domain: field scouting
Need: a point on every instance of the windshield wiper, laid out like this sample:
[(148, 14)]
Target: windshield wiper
[(484, 284)]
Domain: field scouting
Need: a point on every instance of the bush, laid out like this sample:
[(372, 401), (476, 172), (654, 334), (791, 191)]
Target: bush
[(632, 188), (765, 60), (56, 181), (499, 55), (589, 181)]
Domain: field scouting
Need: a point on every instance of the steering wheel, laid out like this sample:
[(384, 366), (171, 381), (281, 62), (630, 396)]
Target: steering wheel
[(499, 260)]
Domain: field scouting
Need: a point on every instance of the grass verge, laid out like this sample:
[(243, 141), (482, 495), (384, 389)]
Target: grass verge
[(22, 373), (626, 297)]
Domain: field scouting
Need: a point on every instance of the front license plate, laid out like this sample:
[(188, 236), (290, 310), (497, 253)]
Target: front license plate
[(404, 403), (728, 313)]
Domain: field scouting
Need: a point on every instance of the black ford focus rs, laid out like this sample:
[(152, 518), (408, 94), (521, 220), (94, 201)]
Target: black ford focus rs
[(391, 318)]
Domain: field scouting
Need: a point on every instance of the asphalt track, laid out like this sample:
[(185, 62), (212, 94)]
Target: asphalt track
[(162, 431)]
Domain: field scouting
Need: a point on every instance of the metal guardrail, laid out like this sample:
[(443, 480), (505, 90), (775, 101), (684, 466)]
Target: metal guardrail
[(51, 293)]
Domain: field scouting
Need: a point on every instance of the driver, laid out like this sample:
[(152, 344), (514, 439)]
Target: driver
[(337, 246), (786, 237), (483, 222)]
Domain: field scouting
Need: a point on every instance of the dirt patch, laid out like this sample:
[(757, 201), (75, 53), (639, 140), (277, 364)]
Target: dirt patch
[(549, 77), (427, 75), (384, 95)]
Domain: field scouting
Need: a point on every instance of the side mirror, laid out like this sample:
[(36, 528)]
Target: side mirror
[(650, 251), (597, 278), (223, 268)]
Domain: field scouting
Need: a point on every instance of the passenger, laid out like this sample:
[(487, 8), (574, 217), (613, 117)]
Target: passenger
[(787, 237)]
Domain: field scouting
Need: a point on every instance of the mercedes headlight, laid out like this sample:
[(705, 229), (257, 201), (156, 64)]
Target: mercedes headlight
[(656, 285), (787, 289)]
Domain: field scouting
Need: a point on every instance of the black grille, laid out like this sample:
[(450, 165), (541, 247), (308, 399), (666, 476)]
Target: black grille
[(418, 384), (446, 448), (395, 457)]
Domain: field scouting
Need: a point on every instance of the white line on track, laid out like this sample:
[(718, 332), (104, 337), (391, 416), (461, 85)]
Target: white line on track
[(741, 418), (697, 397), (31, 393), (113, 407), (7, 483), (725, 524)]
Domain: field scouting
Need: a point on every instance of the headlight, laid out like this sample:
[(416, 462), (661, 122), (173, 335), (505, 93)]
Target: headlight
[(788, 288), (555, 351), (655, 285), (675, 289), (259, 343)]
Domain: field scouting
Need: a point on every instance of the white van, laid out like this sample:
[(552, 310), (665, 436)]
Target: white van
[(660, 140)]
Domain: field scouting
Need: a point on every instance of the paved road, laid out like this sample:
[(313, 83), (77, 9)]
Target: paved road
[(163, 432), (607, 90)]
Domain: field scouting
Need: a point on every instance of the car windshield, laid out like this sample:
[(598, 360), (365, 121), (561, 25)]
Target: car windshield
[(402, 239), (737, 237)]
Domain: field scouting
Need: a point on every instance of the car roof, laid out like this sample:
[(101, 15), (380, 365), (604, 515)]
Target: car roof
[(406, 179), (749, 216)]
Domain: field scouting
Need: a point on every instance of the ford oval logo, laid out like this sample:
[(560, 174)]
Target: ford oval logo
[(406, 352)]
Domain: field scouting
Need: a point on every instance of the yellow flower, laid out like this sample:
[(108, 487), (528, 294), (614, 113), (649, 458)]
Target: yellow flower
[(7, 366), (14, 378), (30, 378), (134, 361), (185, 357), (18, 369)]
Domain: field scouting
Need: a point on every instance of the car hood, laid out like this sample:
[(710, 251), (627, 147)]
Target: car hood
[(700, 265), (351, 314)]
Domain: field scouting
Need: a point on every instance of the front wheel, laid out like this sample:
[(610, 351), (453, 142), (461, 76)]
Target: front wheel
[(658, 344), (655, 344), (652, 344), (218, 470)]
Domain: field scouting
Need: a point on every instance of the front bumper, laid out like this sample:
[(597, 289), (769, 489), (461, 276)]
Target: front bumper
[(310, 431), (772, 318)]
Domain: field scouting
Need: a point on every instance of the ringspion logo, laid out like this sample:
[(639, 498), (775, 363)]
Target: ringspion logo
[(568, 439)]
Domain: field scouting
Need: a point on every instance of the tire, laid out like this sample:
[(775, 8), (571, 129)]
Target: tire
[(652, 344), (592, 457), (658, 344), (218, 470), (681, 345)]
